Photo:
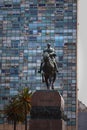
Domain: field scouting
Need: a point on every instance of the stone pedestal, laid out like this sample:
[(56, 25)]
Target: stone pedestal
[(46, 124), (47, 110)]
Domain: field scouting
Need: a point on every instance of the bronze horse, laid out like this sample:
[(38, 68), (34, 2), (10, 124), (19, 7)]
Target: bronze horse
[(49, 71)]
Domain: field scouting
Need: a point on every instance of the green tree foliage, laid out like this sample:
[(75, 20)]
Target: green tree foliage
[(19, 107)]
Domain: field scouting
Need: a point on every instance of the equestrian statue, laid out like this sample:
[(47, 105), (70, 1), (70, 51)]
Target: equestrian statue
[(48, 67)]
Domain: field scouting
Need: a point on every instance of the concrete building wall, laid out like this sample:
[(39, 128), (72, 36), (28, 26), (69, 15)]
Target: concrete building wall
[(82, 121)]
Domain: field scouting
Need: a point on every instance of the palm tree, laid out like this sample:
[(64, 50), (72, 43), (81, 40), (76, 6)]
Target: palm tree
[(19, 107), (25, 102), (13, 112)]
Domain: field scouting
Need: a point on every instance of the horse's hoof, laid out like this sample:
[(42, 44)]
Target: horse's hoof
[(39, 71), (48, 88), (52, 88)]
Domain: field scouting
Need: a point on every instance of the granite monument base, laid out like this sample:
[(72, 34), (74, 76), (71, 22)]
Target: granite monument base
[(47, 110), (46, 124)]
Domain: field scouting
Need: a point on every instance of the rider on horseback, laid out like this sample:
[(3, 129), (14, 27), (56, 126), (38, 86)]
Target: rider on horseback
[(49, 49), (52, 55)]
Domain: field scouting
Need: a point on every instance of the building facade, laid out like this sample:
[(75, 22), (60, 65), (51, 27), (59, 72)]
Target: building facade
[(82, 120), (26, 26), (82, 116)]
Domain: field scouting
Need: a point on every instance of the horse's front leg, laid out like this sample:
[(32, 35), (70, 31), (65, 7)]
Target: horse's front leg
[(52, 85), (53, 80), (47, 83)]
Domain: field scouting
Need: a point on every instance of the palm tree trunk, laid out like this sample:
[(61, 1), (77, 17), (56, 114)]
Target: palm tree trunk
[(14, 124), (25, 119), (26, 122)]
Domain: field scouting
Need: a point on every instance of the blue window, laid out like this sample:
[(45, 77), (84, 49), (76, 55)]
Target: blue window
[(59, 41), (14, 70)]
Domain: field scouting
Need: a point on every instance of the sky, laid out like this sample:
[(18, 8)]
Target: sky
[(82, 51)]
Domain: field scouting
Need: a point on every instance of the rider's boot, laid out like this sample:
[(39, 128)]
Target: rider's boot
[(39, 71), (56, 68)]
